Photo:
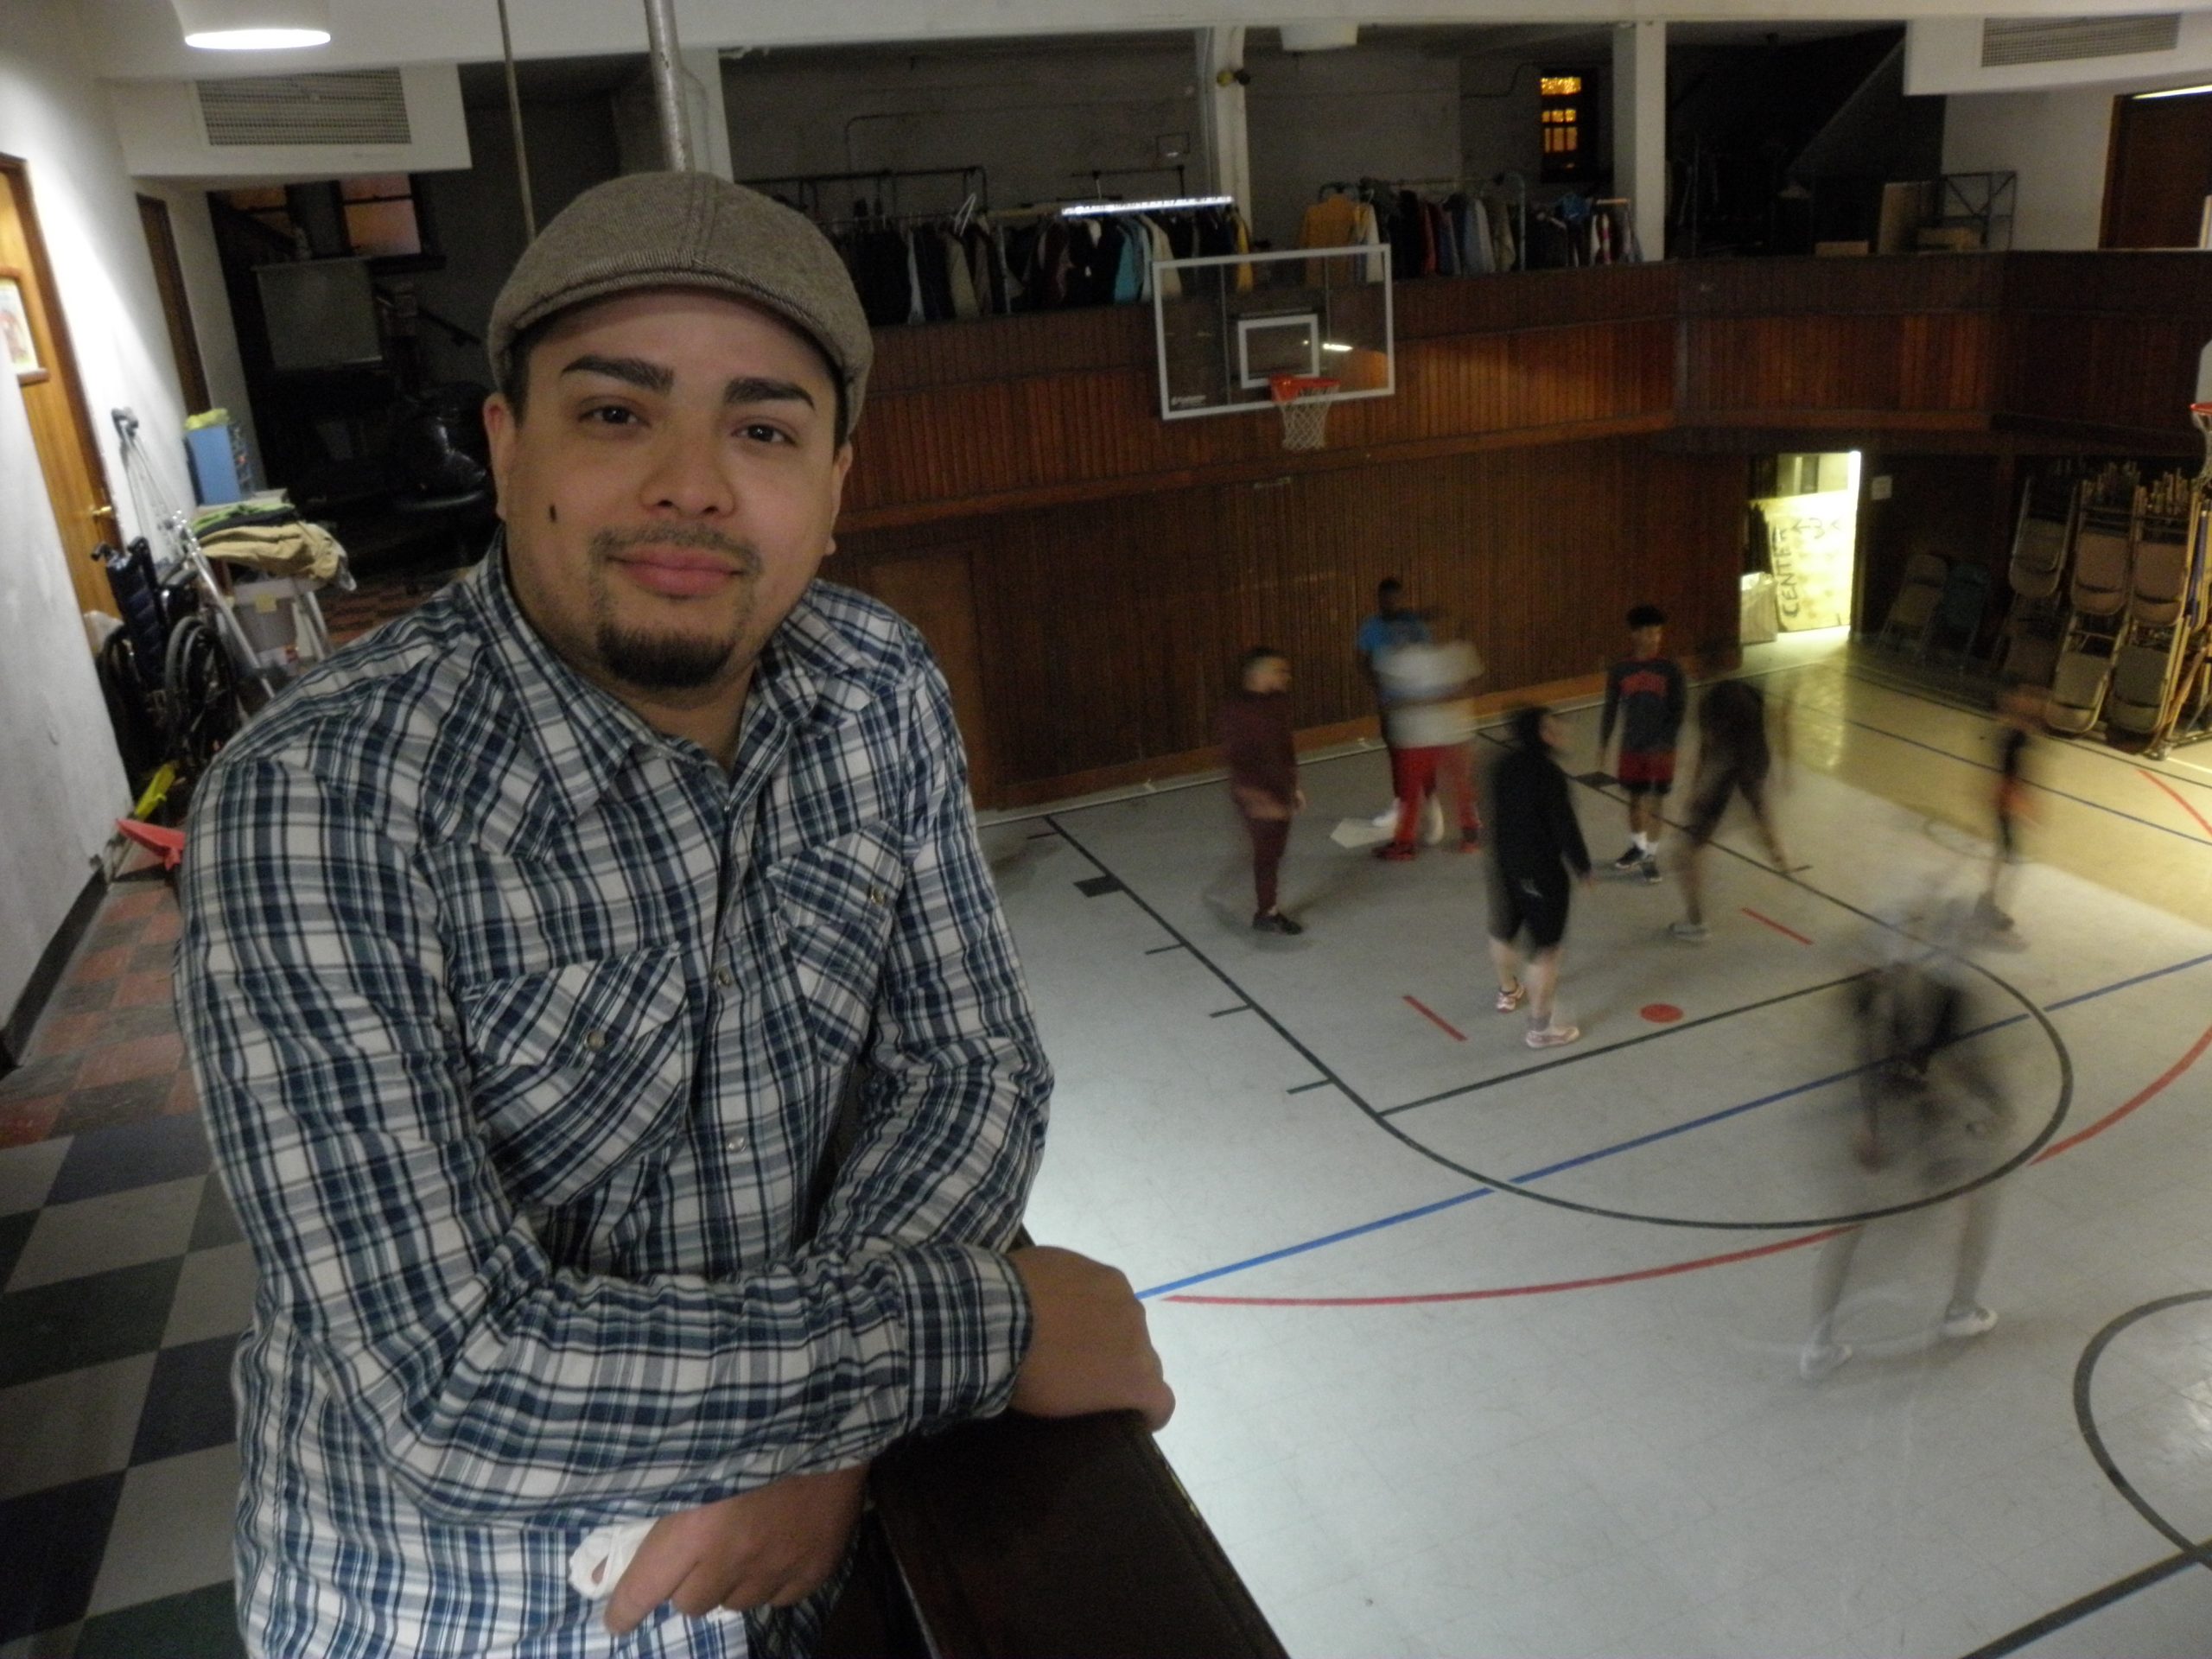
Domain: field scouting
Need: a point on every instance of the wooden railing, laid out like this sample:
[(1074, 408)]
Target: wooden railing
[(1996, 351)]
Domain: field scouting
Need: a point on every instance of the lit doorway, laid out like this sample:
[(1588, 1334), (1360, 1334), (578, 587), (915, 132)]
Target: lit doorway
[(1805, 537)]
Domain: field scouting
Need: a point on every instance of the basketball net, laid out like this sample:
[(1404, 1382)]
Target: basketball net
[(1304, 401)]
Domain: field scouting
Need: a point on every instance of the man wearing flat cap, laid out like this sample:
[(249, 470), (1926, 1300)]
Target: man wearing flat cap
[(532, 945)]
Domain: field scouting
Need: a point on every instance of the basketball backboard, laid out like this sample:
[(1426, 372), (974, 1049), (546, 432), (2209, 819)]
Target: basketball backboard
[(1225, 325)]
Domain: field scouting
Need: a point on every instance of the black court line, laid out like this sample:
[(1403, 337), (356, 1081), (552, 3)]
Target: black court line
[(2193, 1553), (1414, 1144), (1867, 676), (1610, 1048), (1304, 1088), (1242, 1007), (2074, 1611), (1159, 950)]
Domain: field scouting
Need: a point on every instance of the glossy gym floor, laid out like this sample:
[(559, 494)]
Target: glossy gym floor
[(1488, 1351), (1480, 1350)]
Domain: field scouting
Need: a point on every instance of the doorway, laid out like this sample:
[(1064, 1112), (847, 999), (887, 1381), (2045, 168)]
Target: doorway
[(2158, 172), (1805, 536), (46, 369)]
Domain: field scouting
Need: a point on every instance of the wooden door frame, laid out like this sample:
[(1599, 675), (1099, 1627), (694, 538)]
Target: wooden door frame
[(17, 173), (155, 221)]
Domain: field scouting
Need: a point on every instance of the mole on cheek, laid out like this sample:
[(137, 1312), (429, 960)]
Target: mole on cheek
[(552, 513)]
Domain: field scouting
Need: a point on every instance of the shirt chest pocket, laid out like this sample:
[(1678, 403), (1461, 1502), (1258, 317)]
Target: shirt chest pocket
[(578, 1070), (835, 903)]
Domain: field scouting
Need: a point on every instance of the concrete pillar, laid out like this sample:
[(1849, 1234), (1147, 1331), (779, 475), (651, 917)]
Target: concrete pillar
[(1640, 130), (1221, 117)]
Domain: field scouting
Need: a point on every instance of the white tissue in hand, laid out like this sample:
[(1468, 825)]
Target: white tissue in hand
[(597, 1563)]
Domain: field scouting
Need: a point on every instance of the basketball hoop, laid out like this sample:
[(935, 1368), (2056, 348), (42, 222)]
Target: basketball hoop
[(1303, 400)]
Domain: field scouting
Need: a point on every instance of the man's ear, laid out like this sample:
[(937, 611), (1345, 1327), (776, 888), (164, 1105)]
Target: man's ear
[(500, 423)]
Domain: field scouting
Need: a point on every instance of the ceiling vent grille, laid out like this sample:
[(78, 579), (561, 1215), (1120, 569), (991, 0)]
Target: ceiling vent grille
[(352, 107), (2009, 40)]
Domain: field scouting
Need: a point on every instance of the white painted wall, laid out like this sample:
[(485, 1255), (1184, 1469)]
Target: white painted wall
[(2055, 139), (1034, 119), (1366, 112), (163, 136), (64, 783), (1944, 56)]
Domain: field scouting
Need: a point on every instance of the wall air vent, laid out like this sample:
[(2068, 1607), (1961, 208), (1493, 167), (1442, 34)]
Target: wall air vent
[(352, 107), (2006, 42)]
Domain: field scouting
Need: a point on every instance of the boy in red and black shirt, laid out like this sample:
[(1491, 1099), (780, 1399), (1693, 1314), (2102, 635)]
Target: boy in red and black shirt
[(1647, 695)]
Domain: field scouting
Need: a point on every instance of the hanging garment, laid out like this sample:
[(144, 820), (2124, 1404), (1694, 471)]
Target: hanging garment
[(1331, 222), (916, 309), (959, 278)]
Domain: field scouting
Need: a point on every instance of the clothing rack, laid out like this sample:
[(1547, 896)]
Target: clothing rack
[(811, 184)]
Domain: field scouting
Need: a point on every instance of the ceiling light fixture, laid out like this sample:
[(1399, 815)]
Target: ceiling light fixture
[(253, 25), (2175, 92)]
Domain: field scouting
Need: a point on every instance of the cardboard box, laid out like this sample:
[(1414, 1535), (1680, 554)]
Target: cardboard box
[(1840, 250), (1950, 238)]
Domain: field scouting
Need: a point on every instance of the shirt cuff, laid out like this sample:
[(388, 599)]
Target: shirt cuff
[(968, 1329)]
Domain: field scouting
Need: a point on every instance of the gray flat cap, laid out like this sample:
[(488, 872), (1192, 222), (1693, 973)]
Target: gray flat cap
[(688, 229)]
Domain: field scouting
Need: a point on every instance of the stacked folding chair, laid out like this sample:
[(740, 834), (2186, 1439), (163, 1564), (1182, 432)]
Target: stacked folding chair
[(1914, 608), (2035, 625)]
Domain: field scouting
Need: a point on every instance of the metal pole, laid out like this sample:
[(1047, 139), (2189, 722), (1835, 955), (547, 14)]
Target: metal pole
[(514, 115), (668, 83)]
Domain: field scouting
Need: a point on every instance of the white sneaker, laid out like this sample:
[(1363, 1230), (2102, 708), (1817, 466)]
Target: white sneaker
[(1387, 818), (1974, 1321), (1819, 1358), (1432, 822), (1689, 932), (1554, 1036)]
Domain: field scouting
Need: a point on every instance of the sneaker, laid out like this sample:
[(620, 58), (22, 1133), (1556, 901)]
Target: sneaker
[(1651, 868), (1395, 852), (1387, 818), (1817, 1359), (1689, 932), (1553, 1036), (1275, 922), (1432, 822), (1509, 1001), (1628, 860), (1471, 841), (1973, 1321)]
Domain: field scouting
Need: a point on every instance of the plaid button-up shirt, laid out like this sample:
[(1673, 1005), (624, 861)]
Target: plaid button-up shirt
[(521, 1031)]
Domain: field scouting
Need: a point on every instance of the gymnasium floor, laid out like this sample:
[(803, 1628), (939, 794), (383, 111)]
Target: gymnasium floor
[(1488, 1351), (1480, 1350)]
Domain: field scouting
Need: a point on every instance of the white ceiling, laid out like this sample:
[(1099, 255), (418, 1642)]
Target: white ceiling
[(129, 39)]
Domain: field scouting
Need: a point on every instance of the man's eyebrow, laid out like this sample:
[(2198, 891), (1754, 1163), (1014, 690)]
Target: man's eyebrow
[(757, 389), (631, 370)]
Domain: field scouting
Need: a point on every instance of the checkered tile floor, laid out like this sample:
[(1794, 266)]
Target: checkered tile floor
[(124, 1287)]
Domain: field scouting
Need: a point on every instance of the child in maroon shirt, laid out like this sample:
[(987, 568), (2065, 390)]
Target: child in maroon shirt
[(1263, 773)]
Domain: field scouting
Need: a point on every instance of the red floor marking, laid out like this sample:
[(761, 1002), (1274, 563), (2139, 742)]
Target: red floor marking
[(1671, 1269), (1776, 926), (1661, 1013), (2157, 1086), (2150, 1091), (2177, 799), (1456, 1035)]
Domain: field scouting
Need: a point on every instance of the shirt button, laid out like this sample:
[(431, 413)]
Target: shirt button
[(724, 978), (735, 1143), (595, 1040)]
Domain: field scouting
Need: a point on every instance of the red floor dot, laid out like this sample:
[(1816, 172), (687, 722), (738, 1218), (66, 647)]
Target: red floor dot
[(1661, 1014)]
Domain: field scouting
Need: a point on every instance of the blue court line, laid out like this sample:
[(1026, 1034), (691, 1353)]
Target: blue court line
[(1602, 1153), (1968, 760)]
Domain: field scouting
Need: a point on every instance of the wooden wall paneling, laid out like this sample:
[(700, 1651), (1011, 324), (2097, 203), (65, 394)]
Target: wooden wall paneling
[(935, 591)]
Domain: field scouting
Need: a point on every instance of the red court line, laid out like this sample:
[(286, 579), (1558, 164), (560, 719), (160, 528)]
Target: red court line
[(1452, 1031), (1776, 926), (2157, 1086), (2178, 798), (1671, 1269), (2150, 1091)]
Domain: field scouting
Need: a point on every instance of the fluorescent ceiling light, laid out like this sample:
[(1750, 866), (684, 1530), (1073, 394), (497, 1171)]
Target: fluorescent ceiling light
[(253, 25), (1164, 203), (2175, 92), (1323, 37)]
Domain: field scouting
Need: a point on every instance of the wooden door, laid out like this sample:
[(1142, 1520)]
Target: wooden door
[(76, 483), (176, 304), (935, 591), (2159, 172)]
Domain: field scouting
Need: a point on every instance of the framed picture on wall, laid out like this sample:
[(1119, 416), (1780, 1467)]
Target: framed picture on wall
[(15, 336)]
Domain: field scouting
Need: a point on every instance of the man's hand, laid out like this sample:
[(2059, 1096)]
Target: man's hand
[(767, 1549), (1090, 1351)]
